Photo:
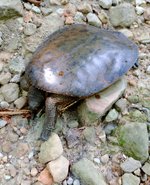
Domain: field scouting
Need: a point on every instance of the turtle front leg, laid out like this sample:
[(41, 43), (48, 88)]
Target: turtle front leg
[(50, 118)]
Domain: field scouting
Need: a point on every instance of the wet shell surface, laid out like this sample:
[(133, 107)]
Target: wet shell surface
[(81, 60)]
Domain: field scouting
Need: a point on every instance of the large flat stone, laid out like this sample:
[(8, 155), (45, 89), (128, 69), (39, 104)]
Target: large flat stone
[(93, 108)]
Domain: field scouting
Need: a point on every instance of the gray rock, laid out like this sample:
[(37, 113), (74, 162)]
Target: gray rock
[(139, 2), (121, 105), (70, 181), (109, 128), (76, 182), (105, 3), (1, 41), (54, 2), (17, 65), (148, 70), (146, 168), (29, 29), (2, 123), (130, 165), (147, 14), (79, 17), (127, 32), (133, 137), (50, 149), (144, 37), (89, 134), (27, 6), (112, 115), (20, 102), (91, 110), (10, 92), (46, 11), (36, 9), (16, 78), (4, 104), (122, 15), (10, 9), (88, 174), (139, 10), (130, 179), (93, 20), (85, 7), (105, 158), (5, 78), (73, 124)]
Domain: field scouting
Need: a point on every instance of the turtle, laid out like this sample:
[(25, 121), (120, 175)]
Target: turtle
[(76, 62)]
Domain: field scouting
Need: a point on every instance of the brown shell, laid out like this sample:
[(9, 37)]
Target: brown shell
[(81, 60)]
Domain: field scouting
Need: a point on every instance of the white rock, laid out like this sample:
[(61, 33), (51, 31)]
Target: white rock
[(70, 181), (58, 168), (148, 70), (76, 182), (139, 2), (105, 3), (93, 20), (51, 149), (139, 10), (2, 123), (130, 165), (20, 102), (127, 32), (36, 9)]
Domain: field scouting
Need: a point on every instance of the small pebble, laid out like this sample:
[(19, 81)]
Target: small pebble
[(97, 160), (105, 158), (2, 123), (76, 182), (36, 9), (70, 181), (148, 70), (7, 177), (34, 172), (5, 159)]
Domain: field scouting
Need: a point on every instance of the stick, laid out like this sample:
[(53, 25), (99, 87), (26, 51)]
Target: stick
[(36, 2), (11, 112)]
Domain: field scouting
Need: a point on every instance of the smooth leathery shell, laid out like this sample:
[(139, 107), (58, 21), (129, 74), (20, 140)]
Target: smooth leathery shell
[(81, 60)]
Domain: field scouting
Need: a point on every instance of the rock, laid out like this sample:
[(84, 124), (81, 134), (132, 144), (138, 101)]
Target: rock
[(79, 17), (148, 70), (127, 32), (133, 98), (103, 17), (10, 9), (64, 2), (5, 78), (137, 116), (20, 102), (146, 168), (6, 146), (4, 105), (54, 2), (12, 170), (73, 124), (22, 149), (144, 37), (86, 171), (34, 172), (121, 105), (139, 2), (50, 149), (97, 160), (91, 110), (147, 14), (45, 177), (105, 158), (29, 29), (130, 165), (70, 181), (16, 78), (3, 123), (58, 168), (137, 172), (46, 11), (35, 9), (13, 137), (112, 116), (105, 3), (109, 128), (84, 7), (133, 137), (76, 182), (27, 6), (10, 92), (93, 20), (72, 137), (122, 15), (130, 179), (139, 10), (17, 65), (89, 134)]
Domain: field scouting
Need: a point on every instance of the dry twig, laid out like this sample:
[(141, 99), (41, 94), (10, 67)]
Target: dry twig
[(35, 2), (12, 112)]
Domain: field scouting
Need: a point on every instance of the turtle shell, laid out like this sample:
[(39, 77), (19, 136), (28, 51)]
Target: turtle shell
[(81, 60)]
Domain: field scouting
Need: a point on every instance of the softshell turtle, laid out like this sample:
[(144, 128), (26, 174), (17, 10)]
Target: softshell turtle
[(76, 62)]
